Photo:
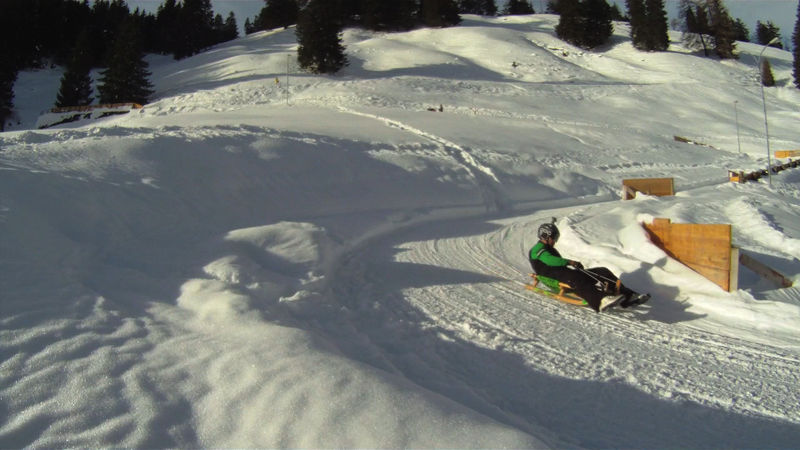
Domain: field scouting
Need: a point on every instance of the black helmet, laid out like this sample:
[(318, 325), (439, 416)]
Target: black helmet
[(549, 230)]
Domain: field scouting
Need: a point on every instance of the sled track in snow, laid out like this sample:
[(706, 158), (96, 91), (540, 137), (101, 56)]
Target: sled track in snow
[(460, 304), (432, 306)]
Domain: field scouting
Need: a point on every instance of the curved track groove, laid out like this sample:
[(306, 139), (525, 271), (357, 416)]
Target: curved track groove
[(461, 298)]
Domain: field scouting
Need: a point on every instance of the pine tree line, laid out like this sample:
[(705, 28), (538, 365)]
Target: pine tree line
[(47, 30), (74, 33), (378, 15), (125, 80), (320, 24), (83, 35)]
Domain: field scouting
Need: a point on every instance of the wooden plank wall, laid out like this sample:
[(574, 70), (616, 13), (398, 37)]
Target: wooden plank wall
[(649, 186), (704, 248)]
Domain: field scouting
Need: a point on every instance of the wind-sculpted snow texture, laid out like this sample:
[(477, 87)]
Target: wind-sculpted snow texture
[(224, 269)]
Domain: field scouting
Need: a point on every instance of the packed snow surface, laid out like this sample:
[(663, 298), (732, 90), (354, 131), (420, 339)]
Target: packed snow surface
[(262, 260)]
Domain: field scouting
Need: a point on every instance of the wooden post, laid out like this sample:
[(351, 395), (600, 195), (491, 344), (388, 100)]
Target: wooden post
[(765, 271), (736, 177)]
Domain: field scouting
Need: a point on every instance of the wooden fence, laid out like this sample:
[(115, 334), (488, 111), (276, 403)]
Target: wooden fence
[(67, 109), (741, 177)]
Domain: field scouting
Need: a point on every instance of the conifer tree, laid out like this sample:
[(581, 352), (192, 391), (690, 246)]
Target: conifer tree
[(638, 19), (489, 8), (230, 30), (470, 7), (518, 7), (657, 29), (796, 48), (697, 28), (395, 15), (107, 17), (482, 7), (765, 32), (126, 78), (721, 26), (616, 14), (320, 48), (439, 13), (12, 57), (349, 11), (569, 23), (167, 25), (195, 27), (585, 23), (149, 30), (76, 84), (217, 26), (8, 75), (767, 77), (597, 23), (224, 30), (277, 14), (740, 31)]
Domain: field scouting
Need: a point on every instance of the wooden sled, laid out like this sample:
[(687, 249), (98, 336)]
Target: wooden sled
[(556, 289)]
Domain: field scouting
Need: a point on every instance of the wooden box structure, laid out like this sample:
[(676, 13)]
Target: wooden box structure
[(649, 186), (704, 248)]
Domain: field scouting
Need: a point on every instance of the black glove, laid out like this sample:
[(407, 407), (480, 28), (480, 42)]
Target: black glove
[(576, 264)]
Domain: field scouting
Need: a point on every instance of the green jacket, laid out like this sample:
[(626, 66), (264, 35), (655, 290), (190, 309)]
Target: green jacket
[(547, 255)]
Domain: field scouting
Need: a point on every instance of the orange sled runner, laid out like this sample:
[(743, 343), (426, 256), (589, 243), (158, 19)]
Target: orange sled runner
[(563, 292), (556, 289)]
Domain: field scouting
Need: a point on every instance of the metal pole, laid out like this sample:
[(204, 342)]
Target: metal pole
[(764, 101), (766, 129), (736, 110), (288, 58)]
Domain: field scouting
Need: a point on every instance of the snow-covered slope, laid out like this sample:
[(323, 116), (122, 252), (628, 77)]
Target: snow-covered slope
[(256, 260)]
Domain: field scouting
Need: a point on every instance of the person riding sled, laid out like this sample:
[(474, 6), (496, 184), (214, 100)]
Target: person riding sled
[(598, 286)]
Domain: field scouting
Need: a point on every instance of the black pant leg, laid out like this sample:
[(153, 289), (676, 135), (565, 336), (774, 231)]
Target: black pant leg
[(605, 274), (583, 285)]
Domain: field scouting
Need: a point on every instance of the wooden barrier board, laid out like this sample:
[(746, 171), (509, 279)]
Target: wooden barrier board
[(649, 186), (704, 248), (787, 153), (93, 107)]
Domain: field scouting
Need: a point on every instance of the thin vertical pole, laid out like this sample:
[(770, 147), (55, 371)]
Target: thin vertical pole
[(738, 139), (766, 130), (288, 59), (764, 101)]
